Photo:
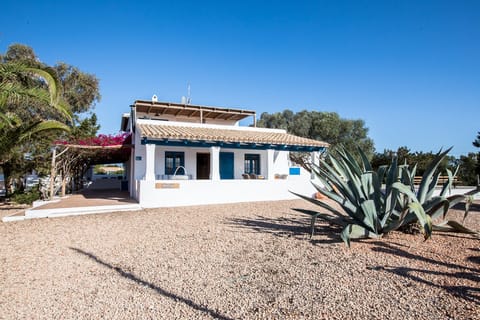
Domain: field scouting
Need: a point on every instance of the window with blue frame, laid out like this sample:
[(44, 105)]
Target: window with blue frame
[(252, 163), (173, 160)]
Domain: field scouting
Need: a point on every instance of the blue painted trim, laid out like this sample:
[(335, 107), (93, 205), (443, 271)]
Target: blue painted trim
[(294, 171), (235, 145)]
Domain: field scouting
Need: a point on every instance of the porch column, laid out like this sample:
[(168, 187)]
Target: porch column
[(270, 158), (215, 163), (150, 162), (315, 160)]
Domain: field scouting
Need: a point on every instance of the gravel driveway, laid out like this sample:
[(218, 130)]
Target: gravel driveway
[(237, 261)]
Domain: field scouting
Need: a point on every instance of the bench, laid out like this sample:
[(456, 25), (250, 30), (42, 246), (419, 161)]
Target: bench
[(441, 180)]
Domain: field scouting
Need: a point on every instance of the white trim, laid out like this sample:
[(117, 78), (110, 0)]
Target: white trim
[(150, 162), (270, 164), (215, 163)]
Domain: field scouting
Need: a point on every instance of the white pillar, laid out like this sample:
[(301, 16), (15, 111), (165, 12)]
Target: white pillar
[(270, 161), (215, 163), (315, 160), (150, 163)]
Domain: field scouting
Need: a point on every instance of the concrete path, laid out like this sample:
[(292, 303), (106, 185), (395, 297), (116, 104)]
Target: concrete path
[(85, 202)]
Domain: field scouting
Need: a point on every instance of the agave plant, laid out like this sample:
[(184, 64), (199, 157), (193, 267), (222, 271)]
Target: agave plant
[(371, 209), (437, 206)]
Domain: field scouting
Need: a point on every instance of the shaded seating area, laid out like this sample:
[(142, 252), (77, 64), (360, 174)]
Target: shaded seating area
[(253, 176)]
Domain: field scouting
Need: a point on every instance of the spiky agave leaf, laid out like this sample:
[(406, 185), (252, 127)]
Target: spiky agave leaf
[(321, 204), (336, 180), (454, 226), (338, 198), (366, 163), (341, 219), (428, 175), (447, 185), (469, 200), (416, 208), (354, 231)]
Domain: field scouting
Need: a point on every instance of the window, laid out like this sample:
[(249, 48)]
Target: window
[(252, 163), (173, 160)]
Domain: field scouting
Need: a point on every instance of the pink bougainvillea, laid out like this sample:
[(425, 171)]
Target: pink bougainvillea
[(102, 140)]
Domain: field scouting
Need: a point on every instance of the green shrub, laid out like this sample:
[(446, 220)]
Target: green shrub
[(26, 197)]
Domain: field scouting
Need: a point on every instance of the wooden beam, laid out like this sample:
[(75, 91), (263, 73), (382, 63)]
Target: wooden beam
[(218, 116)]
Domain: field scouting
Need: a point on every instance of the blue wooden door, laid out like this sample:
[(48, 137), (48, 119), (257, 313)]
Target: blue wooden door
[(226, 165)]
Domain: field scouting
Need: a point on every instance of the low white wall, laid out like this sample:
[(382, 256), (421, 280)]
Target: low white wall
[(200, 192)]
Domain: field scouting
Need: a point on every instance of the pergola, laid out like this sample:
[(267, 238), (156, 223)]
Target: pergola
[(103, 149)]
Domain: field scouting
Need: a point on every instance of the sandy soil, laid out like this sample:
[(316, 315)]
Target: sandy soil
[(238, 261)]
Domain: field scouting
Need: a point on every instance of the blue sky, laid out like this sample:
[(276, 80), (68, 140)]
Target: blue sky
[(409, 69)]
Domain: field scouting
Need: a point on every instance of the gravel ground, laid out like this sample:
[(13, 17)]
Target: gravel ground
[(238, 261)]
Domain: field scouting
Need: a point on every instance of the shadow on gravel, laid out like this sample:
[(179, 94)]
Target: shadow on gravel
[(474, 259), (457, 273), (474, 207), (159, 290), (288, 227)]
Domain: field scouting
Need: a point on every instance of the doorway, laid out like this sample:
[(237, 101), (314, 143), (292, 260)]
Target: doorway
[(203, 166), (226, 165)]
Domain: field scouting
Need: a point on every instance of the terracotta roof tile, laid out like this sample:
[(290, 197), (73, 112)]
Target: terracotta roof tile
[(226, 135)]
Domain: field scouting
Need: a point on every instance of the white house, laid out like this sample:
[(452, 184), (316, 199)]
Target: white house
[(189, 155)]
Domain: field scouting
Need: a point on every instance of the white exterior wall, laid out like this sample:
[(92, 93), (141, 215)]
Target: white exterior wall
[(280, 160), (188, 120), (196, 192), (201, 192), (140, 151)]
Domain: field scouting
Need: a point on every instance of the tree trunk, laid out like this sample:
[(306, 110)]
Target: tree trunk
[(64, 185), (52, 173), (7, 171)]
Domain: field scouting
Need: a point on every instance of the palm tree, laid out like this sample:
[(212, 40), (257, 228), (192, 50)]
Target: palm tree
[(30, 103)]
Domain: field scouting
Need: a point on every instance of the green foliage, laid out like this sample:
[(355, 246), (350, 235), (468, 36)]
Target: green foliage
[(26, 197), (404, 155), (476, 143), (85, 128), (324, 126), (15, 127), (33, 96), (467, 169), (81, 90), (376, 202), (20, 53)]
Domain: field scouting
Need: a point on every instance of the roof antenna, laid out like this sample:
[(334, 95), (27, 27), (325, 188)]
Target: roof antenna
[(189, 100)]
